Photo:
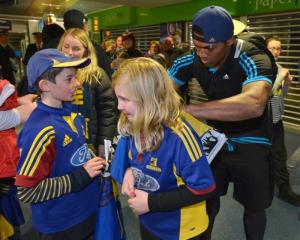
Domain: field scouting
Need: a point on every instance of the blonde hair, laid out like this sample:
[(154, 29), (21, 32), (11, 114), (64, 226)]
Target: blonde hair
[(158, 103), (92, 73)]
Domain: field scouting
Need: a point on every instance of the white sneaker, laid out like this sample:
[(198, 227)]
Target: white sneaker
[(294, 159)]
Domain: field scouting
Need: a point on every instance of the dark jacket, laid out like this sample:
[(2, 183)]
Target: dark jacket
[(103, 59), (6, 67), (30, 50), (99, 107)]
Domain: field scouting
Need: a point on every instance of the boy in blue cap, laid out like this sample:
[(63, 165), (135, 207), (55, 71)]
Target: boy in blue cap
[(56, 173), (237, 78)]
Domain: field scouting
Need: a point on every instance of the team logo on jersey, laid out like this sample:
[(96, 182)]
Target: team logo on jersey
[(81, 156), (144, 181), (67, 140), (153, 165)]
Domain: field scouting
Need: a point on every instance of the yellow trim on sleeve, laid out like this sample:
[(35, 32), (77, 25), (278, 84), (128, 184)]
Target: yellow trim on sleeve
[(36, 144)]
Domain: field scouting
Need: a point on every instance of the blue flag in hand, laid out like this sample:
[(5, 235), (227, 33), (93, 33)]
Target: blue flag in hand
[(121, 161), (109, 224)]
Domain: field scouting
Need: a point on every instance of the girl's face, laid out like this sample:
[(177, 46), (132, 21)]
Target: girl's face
[(73, 47), (125, 103)]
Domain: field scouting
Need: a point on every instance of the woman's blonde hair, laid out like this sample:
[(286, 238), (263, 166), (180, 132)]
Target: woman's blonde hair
[(158, 103), (92, 73)]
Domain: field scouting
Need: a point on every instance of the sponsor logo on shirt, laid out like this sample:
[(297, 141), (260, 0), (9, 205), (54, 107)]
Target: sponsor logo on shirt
[(81, 156), (144, 181)]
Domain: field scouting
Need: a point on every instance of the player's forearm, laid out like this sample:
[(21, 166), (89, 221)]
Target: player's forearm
[(236, 108)]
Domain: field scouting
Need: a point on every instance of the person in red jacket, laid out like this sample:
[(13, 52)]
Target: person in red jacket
[(10, 211)]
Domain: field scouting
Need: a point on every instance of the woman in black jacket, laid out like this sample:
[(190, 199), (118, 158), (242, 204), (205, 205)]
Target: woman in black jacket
[(95, 99)]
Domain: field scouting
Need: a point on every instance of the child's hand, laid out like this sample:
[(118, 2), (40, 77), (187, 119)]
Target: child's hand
[(139, 203), (94, 166), (128, 184)]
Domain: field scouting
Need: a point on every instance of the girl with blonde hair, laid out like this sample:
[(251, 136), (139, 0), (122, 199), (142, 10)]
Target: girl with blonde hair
[(95, 99), (168, 178)]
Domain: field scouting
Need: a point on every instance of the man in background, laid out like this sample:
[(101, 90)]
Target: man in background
[(170, 51), (7, 57), (33, 47), (279, 154)]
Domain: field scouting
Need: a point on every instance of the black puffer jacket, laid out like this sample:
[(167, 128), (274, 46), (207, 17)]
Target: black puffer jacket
[(98, 104)]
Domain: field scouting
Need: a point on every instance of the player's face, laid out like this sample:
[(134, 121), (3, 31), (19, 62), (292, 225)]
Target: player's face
[(64, 88), (211, 55), (73, 47), (275, 48), (125, 102)]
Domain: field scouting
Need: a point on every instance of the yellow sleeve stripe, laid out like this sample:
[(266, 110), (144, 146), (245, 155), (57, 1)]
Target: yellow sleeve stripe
[(38, 157), (193, 140), (39, 140), (190, 143), (179, 180)]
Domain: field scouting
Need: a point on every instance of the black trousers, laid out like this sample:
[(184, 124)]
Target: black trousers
[(254, 221), (279, 155)]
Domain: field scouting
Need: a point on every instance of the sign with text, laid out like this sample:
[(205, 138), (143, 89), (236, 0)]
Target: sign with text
[(5, 24), (260, 6)]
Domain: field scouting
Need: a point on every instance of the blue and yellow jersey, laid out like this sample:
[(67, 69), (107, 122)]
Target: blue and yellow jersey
[(179, 160), (52, 144)]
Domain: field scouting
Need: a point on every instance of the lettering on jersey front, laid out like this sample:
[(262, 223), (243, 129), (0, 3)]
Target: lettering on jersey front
[(144, 181), (78, 98), (153, 165), (81, 156)]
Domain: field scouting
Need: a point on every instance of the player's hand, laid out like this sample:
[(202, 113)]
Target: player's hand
[(139, 203), (128, 184), (94, 166)]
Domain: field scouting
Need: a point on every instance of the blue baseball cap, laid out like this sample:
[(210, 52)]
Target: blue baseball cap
[(49, 58), (212, 24)]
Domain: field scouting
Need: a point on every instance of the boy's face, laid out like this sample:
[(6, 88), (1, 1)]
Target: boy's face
[(64, 89), (125, 102)]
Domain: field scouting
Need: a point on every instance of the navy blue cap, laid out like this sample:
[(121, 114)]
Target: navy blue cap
[(212, 24), (49, 58)]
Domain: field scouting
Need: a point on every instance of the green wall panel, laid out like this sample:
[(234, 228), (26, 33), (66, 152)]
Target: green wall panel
[(133, 17)]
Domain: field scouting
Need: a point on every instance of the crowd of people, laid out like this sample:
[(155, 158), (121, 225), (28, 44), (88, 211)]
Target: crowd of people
[(77, 95)]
